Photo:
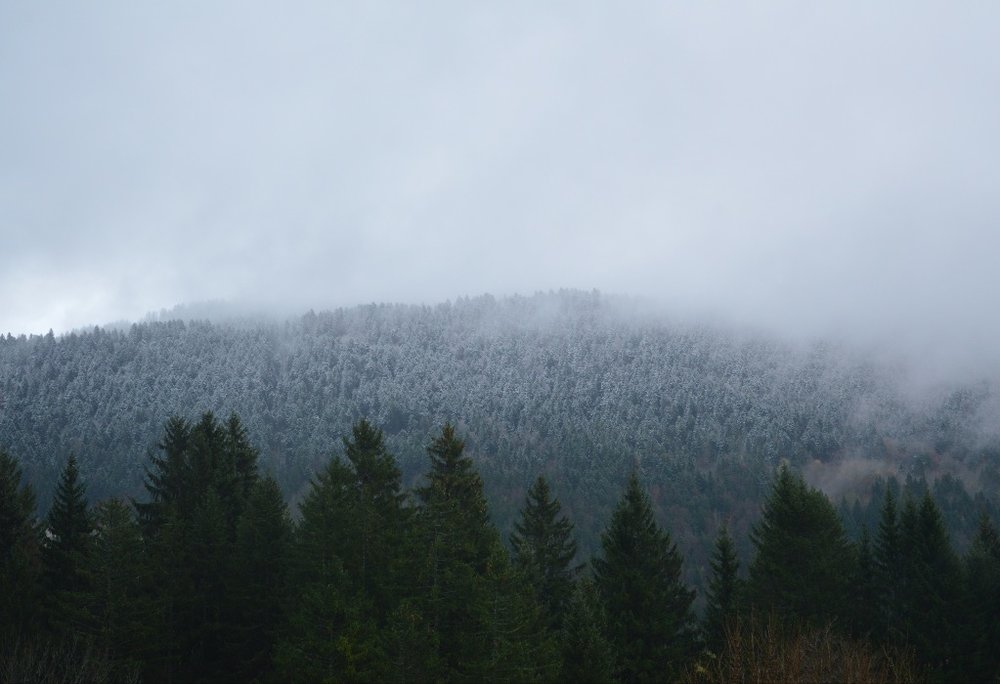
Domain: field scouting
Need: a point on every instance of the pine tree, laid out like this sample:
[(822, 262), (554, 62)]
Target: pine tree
[(933, 579), (724, 588), (486, 621), (865, 615), (260, 579), (349, 562), (887, 558), (587, 656), (66, 552), (648, 608), (19, 554), (802, 557), (982, 604), (118, 574), (459, 541), (544, 550)]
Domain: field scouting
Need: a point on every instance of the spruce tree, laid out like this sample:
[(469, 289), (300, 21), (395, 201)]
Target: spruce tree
[(544, 550), (260, 579), (20, 568), (724, 588), (587, 655), (887, 559), (350, 562), (118, 575), (866, 619), (982, 604), (638, 577), (66, 551), (483, 615), (933, 584), (802, 560)]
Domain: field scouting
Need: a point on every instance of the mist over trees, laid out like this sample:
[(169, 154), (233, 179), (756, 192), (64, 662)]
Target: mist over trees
[(576, 386)]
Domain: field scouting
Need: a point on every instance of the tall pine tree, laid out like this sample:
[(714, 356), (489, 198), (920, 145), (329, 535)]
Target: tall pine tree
[(638, 577), (803, 560), (20, 567), (66, 551), (544, 550), (724, 589)]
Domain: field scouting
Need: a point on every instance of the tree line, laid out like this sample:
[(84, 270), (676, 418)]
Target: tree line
[(209, 578)]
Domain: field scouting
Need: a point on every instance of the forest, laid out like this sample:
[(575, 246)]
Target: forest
[(798, 498), (209, 578), (580, 387)]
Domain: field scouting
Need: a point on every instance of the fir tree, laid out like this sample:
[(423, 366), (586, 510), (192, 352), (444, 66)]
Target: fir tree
[(982, 604), (724, 588), (19, 554), (587, 656), (648, 608), (887, 559), (118, 574), (933, 579), (544, 550), (865, 614), (803, 560), (66, 551), (350, 561)]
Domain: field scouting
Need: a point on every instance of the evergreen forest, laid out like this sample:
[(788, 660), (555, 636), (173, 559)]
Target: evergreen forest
[(564, 487), (209, 578)]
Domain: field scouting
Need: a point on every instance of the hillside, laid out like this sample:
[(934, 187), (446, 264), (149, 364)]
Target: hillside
[(577, 385)]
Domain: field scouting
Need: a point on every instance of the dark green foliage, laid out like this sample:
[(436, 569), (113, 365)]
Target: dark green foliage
[(19, 554), (724, 591), (982, 604), (458, 542), (198, 489), (865, 616), (349, 563), (66, 550), (802, 560), (260, 578), (888, 568), (931, 584), (544, 550), (119, 576), (587, 656), (648, 608), (483, 613)]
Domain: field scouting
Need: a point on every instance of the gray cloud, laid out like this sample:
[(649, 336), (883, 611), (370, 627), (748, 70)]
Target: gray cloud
[(816, 169)]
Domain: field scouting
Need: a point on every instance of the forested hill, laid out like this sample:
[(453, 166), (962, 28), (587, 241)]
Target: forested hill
[(575, 385)]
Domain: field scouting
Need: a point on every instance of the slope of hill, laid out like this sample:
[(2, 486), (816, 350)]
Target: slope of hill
[(576, 385)]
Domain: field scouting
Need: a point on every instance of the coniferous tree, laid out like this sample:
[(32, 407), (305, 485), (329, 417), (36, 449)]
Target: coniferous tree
[(66, 551), (544, 550), (481, 612), (932, 584), (118, 574), (982, 604), (197, 493), (263, 543), (587, 655), (865, 614), (349, 562), (20, 567), (803, 560), (638, 577), (459, 540), (888, 569), (724, 589)]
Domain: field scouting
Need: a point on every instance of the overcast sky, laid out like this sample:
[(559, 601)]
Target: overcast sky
[(806, 167)]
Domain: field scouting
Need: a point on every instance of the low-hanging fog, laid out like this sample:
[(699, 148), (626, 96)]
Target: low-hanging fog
[(813, 170)]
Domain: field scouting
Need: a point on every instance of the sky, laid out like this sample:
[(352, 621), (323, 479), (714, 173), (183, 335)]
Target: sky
[(808, 167)]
